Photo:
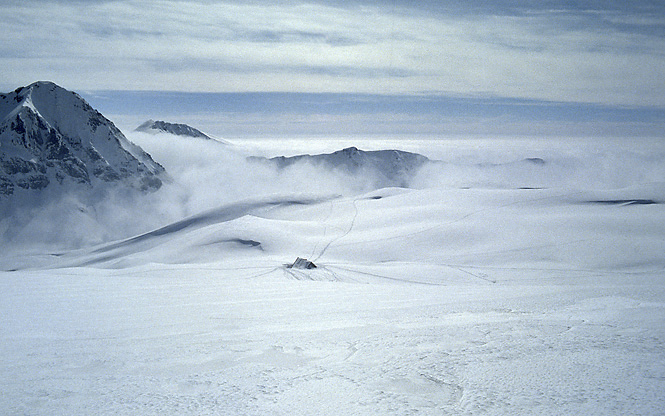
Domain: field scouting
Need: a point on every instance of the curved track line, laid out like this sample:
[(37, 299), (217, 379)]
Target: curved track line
[(353, 222), (325, 229), (389, 278)]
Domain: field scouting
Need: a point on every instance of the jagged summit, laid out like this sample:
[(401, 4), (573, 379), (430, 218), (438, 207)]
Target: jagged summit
[(389, 167), (49, 135), (158, 126)]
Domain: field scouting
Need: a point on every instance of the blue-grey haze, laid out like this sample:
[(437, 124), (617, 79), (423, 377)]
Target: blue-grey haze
[(239, 114)]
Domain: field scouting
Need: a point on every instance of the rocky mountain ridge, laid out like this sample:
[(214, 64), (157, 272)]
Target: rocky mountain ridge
[(158, 126), (50, 136), (389, 167)]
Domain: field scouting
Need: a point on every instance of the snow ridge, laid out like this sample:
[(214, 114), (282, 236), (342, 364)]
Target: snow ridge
[(390, 167), (158, 126)]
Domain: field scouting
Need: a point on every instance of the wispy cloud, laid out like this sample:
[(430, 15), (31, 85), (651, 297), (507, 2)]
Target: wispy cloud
[(612, 54)]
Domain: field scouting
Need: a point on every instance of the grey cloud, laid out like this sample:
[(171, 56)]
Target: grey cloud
[(107, 31), (591, 51), (222, 66), (354, 72), (298, 36)]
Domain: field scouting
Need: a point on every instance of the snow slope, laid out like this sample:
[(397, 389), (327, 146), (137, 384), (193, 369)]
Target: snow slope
[(487, 298)]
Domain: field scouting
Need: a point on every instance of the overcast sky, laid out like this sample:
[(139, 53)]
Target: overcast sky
[(599, 53)]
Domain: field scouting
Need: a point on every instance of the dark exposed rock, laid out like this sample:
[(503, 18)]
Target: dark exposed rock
[(15, 165), (390, 167), (302, 264), (6, 186), (38, 182), (150, 182), (106, 173), (76, 169)]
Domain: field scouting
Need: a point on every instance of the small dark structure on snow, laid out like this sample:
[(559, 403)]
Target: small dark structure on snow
[(301, 263)]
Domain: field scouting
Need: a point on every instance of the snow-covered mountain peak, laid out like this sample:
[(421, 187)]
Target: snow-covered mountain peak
[(48, 100), (49, 135), (159, 126), (387, 167)]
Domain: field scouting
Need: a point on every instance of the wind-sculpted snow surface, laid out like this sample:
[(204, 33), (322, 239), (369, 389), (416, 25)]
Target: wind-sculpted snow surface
[(496, 284)]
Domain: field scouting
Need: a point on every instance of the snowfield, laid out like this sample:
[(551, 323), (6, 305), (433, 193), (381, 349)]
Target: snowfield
[(489, 287)]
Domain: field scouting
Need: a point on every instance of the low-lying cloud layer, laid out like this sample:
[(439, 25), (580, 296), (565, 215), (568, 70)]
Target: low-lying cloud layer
[(207, 174)]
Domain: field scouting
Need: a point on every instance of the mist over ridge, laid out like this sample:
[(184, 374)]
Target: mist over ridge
[(204, 174)]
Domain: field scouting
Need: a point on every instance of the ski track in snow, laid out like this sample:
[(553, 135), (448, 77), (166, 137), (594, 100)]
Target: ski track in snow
[(344, 234)]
